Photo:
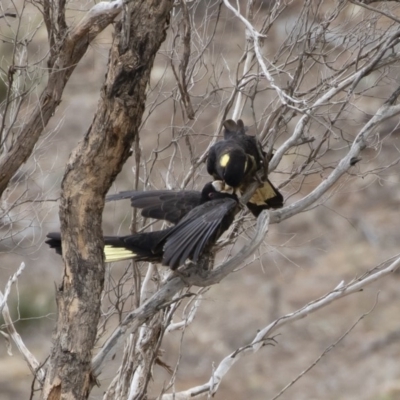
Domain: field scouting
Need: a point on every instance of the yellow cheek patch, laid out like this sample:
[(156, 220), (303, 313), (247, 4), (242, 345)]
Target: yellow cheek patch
[(245, 166), (117, 254), (223, 161)]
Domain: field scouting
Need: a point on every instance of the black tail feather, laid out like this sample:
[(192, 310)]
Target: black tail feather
[(141, 246), (54, 241)]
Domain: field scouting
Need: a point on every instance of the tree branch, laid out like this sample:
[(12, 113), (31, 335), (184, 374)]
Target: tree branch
[(70, 53), (30, 359), (384, 113), (10, 282), (259, 341)]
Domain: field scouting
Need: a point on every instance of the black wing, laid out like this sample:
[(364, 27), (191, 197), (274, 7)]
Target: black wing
[(197, 231), (252, 147), (162, 204)]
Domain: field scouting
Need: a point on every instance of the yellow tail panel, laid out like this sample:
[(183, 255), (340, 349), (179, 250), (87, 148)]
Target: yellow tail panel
[(113, 254)]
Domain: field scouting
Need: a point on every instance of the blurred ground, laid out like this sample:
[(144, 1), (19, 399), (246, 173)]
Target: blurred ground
[(302, 259)]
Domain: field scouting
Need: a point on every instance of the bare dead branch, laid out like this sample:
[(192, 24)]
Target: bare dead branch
[(183, 66), (10, 282), (225, 365), (30, 359), (71, 50), (326, 351), (385, 112)]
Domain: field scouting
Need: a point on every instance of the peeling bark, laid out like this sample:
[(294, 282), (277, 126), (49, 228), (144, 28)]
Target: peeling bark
[(90, 171)]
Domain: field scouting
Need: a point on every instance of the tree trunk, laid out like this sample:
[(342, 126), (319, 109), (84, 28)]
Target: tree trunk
[(90, 171)]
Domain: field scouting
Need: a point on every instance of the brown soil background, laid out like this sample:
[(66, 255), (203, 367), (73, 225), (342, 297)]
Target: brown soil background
[(303, 258)]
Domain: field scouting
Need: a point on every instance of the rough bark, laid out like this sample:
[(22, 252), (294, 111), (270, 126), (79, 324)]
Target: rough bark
[(90, 171)]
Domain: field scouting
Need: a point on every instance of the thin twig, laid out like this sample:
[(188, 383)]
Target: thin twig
[(326, 351)]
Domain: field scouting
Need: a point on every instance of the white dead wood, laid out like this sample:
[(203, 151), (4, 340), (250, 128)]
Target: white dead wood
[(353, 80), (188, 318), (145, 289), (92, 23), (137, 382), (139, 376), (10, 282), (384, 113), (284, 97), (30, 359), (63, 63), (326, 351), (237, 112), (260, 339)]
